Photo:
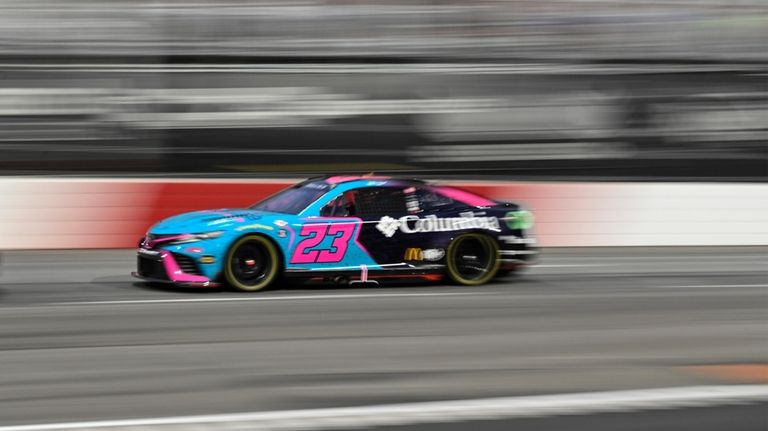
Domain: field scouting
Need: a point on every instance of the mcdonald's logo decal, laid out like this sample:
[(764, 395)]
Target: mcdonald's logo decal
[(414, 254)]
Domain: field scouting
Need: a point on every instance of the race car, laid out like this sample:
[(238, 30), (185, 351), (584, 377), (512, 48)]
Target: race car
[(344, 229)]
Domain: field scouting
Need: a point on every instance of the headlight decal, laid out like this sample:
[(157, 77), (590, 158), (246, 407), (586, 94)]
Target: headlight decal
[(520, 219)]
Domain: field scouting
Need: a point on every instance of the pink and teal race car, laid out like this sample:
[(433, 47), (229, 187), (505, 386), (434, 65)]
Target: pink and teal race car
[(347, 229)]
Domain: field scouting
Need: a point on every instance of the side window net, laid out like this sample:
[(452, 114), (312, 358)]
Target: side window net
[(379, 201)]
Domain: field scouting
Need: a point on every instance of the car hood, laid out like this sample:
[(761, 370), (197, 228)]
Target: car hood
[(213, 220)]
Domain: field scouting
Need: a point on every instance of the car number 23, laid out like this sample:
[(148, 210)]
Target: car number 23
[(314, 246)]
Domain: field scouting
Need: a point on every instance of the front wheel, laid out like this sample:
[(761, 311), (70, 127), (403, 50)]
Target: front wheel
[(252, 263), (473, 259)]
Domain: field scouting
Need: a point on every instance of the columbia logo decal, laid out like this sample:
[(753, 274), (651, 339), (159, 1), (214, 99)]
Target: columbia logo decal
[(431, 223), (388, 226)]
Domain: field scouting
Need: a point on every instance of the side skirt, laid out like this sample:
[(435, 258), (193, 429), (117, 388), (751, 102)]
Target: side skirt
[(427, 272)]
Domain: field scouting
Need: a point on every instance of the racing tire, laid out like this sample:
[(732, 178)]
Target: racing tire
[(252, 263), (472, 259)]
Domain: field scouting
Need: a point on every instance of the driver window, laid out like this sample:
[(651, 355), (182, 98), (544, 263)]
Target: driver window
[(342, 206), (366, 202)]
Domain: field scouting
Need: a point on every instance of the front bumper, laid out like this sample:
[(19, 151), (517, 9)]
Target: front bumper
[(513, 261), (518, 252), (160, 266)]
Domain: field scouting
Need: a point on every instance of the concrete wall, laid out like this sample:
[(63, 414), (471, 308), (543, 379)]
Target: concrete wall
[(44, 213)]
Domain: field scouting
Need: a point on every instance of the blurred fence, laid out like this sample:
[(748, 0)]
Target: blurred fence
[(410, 118), (541, 29), (623, 89)]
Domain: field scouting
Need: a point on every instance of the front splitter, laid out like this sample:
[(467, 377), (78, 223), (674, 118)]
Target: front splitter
[(176, 283)]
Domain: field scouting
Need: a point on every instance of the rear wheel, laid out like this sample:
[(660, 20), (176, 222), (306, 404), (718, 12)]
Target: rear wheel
[(473, 259), (252, 263)]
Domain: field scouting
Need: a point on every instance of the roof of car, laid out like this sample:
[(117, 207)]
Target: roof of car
[(339, 179)]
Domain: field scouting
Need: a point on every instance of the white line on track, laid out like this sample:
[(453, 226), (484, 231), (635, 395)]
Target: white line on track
[(697, 286), (439, 411), (571, 265), (269, 298)]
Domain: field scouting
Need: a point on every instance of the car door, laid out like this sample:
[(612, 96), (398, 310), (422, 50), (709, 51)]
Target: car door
[(379, 209), (331, 240)]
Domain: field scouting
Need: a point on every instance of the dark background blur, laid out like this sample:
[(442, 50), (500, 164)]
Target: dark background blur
[(621, 89)]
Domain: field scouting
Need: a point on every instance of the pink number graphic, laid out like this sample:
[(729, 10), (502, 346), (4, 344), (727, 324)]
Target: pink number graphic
[(315, 234), (341, 232), (339, 244)]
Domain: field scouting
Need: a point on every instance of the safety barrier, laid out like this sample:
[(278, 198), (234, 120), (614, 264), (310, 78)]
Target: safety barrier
[(45, 213)]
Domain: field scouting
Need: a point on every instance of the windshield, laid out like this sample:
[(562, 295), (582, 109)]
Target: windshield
[(293, 200)]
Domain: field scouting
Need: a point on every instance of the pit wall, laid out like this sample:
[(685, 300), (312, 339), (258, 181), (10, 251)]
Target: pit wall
[(44, 213)]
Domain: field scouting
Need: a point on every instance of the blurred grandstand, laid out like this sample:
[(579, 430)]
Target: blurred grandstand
[(622, 89)]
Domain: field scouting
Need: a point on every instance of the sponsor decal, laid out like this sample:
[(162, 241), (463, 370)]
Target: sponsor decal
[(414, 254), (255, 226), (317, 186), (519, 219), (281, 223), (282, 233), (431, 254), (388, 226), (411, 200), (414, 224)]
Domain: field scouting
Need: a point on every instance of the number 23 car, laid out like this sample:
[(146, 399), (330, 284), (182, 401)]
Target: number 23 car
[(346, 229)]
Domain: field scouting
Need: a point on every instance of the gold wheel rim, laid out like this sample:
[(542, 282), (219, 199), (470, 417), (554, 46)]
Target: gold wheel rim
[(490, 273), (270, 250)]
